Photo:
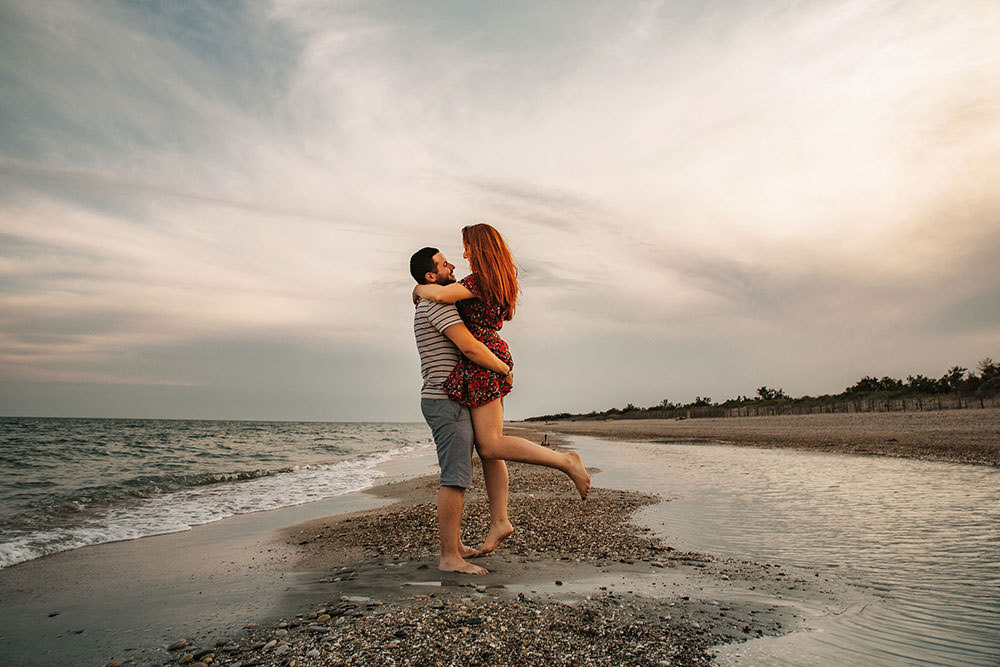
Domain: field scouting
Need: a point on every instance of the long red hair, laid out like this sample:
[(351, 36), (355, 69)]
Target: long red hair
[(490, 259)]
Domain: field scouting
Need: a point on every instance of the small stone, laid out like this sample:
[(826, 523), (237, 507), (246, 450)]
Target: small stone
[(558, 583), (186, 659), (177, 645), (280, 632), (281, 650), (270, 644), (323, 618), (114, 663), (313, 653)]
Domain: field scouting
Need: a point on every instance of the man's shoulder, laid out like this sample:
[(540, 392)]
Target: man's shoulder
[(437, 316), (434, 309)]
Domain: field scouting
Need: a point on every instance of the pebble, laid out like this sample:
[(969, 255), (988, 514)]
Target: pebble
[(177, 645), (603, 628), (186, 659)]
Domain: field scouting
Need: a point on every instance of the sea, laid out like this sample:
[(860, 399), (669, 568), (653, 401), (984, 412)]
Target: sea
[(69, 483)]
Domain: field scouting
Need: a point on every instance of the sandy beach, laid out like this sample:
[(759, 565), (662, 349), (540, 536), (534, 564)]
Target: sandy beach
[(958, 436), (578, 583), (353, 580)]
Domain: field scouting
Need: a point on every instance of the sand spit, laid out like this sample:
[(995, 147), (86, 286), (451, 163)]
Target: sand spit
[(577, 584)]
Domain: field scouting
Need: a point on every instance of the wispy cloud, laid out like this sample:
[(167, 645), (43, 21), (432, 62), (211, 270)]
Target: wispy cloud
[(733, 185)]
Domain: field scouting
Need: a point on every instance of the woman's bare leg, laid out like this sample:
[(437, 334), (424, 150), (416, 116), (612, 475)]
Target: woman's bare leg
[(497, 482), (487, 420)]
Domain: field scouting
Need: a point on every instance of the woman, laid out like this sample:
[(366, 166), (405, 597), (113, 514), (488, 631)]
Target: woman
[(486, 299)]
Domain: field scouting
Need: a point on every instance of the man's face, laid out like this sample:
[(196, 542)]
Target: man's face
[(445, 271)]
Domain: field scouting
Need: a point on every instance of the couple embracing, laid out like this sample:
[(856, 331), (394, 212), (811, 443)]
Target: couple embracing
[(467, 370)]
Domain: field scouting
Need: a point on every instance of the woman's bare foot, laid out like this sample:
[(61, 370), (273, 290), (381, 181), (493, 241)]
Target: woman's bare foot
[(467, 552), (459, 565), (497, 534), (578, 474)]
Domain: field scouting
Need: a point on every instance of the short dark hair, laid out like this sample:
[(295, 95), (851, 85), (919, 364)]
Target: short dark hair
[(422, 263)]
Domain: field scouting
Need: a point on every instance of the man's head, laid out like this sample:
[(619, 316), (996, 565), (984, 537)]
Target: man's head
[(428, 265)]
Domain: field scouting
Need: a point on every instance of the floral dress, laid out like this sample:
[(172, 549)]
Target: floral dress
[(469, 383)]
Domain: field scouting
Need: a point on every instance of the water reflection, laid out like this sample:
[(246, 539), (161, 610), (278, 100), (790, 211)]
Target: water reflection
[(925, 536)]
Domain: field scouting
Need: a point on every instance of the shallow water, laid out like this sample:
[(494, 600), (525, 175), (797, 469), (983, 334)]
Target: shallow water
[(924, 537), (67, 483)]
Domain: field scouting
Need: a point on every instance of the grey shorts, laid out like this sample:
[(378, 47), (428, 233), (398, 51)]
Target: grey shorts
[(451, 425)]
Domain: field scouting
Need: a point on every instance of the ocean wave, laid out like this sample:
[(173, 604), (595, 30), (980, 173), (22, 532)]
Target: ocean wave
[(204, 498)]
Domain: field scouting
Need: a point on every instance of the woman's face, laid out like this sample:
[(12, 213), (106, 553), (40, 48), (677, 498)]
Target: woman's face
[(465, 251)]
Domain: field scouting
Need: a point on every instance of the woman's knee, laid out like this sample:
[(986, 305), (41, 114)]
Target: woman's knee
[(488, 448)]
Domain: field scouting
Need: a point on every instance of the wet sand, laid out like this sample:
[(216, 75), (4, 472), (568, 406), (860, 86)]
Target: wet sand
[(958, 436), (578, 583)]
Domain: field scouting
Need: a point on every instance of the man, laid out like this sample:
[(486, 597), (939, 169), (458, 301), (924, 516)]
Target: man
[(441, 338)]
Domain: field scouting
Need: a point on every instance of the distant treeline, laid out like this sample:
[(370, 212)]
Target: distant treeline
[(958, 388)]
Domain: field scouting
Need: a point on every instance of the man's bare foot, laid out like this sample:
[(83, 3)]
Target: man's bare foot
[(459, 565), (467, 552), (578, 474), (497, 534)]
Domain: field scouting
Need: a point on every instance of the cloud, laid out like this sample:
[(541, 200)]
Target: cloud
[(689, 189)]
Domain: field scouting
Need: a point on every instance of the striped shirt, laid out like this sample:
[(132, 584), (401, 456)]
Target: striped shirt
[(438, 355)]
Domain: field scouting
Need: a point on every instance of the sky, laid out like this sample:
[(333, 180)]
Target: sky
[(207, 208)]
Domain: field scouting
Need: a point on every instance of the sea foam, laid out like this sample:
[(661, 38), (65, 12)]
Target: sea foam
[(180, 510)]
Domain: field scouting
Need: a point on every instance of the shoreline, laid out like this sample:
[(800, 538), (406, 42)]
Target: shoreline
[(353, 580), (954, 436), (578, 581)]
